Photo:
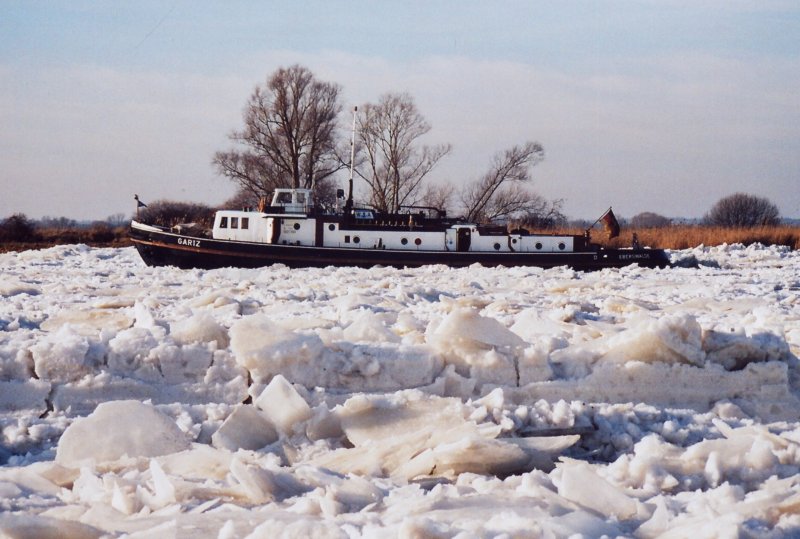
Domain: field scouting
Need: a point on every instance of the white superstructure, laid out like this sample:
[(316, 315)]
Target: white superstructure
[(290, 220)]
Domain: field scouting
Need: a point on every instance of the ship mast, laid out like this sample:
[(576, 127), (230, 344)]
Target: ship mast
[(348, 206)]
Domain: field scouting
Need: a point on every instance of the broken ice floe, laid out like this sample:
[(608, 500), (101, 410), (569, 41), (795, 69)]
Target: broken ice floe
[(119, 429), (287, 394)]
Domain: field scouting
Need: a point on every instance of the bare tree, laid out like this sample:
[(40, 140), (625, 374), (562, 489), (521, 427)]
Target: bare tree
[(58, 223), (390, 160), (438, 196), (255, 175), (243, 198), (500, 193), (541, 213), (117, 219), (289, 134), (648, 219), (17, 228), (171, 213), (741, 210)]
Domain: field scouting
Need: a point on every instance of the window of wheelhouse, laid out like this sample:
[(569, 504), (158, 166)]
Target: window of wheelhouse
[(234, 222), (245, 222), (223, 222)]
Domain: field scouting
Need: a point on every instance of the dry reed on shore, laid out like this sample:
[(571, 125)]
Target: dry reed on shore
[(687, 236)]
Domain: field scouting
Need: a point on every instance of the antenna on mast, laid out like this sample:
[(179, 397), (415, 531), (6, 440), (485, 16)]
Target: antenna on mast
[(348, 206)]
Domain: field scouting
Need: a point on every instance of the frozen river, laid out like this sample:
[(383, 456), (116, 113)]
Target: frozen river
[(430, 402)]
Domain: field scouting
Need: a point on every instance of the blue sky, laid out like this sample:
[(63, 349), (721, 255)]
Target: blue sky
[(646, 105)]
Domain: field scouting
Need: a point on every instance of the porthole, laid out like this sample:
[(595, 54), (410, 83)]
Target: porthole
[(356, 239), (417, 241), (297, 226), (496, 246), (331, 227), (514, 240), (404, 241), (561, 246), (539, 245)]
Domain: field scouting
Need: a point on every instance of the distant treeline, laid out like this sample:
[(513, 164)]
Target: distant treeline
[(18, 232), (738, 218)]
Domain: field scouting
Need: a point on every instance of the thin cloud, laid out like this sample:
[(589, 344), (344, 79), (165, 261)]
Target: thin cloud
[(670, 134)]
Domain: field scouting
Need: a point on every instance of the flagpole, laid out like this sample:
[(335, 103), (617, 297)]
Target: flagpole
[(586, 233)]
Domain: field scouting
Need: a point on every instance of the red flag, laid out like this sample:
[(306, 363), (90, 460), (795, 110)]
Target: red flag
[(610, 224)]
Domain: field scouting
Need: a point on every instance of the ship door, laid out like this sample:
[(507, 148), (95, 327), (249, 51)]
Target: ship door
[(463, 239)]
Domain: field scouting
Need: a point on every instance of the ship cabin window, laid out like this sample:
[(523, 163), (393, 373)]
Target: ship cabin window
[(245, 223), (234, 222), (347, 239), (285, 198), (223, 222), (301, 198)]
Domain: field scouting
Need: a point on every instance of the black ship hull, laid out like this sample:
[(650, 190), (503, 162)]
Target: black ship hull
[(161, 248)]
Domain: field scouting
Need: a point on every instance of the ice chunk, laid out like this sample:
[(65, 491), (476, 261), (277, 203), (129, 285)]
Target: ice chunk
[(16, 362), (323, 424), (199, 462), (11, 286), (80, 398), (265, 349), (258, 484), (743, 451), (245, 428), (543, 451), (30, 396), (670, 339), (368, 327), (736, 348), (89, 322), (281, 403), (62, 356), (14, 526), (451, 384), (470, 454), (410, 435), (306, 527), (531, 325), (117, 429), (129, 353), (479, 347), (144, 318), (467, 330), (201, 327), (579, 483), (767, 384), (534, 365), (187, 363)]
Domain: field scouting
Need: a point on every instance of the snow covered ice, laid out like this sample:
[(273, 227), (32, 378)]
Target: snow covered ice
[(431, 402)]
